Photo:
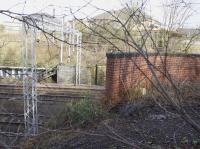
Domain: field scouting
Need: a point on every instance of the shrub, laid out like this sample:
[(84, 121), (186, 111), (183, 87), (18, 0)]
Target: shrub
[(78, 113), (84, 111)]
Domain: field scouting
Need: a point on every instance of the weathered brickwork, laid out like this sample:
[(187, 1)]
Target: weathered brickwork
[(128, 70)]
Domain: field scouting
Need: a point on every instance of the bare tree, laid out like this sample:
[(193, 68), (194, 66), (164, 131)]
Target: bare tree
[(133, 29), (119, 28)]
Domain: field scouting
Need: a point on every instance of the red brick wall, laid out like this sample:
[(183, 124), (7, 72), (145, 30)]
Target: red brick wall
[(123, 71)]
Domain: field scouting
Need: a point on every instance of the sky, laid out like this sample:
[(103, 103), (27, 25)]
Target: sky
[(154, 7)]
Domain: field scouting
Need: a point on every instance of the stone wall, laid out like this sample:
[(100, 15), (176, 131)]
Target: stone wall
[(67, 75)]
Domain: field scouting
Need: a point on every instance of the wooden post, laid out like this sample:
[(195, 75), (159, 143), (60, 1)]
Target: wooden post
[(96, 74)]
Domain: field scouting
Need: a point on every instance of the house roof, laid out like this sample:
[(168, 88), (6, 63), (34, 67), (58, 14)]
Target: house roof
[(123, 14)]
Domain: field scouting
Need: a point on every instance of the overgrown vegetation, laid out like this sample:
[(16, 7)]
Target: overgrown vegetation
[(78, 113), (142, 124), (164, 125)]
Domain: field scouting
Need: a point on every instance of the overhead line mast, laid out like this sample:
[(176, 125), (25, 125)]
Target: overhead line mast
[(68, 35)]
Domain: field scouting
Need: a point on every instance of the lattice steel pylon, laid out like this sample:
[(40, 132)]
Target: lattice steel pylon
[(48, 25), (29, 80), (78, 58)]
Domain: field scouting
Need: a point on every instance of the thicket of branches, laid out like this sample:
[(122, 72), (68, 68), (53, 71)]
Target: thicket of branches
[(130, 29), (131, 20)]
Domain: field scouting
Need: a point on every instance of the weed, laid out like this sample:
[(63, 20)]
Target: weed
[(84, 111), (78, 113)]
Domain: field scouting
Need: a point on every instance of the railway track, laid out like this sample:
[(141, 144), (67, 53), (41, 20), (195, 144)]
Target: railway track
[(54, 91), (51, 99)]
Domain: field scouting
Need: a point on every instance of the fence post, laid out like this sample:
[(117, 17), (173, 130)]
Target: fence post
[(96, 74)]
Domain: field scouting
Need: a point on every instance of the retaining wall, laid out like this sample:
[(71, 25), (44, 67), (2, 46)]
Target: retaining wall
[(128, 70)]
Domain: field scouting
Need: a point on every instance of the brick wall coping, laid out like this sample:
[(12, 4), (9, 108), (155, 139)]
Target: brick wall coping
[(120, 54)]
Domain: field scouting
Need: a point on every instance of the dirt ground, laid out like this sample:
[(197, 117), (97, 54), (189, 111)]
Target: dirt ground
[(128, 127)]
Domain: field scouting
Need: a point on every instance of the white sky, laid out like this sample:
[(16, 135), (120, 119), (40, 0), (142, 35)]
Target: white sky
[(155, 8)]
